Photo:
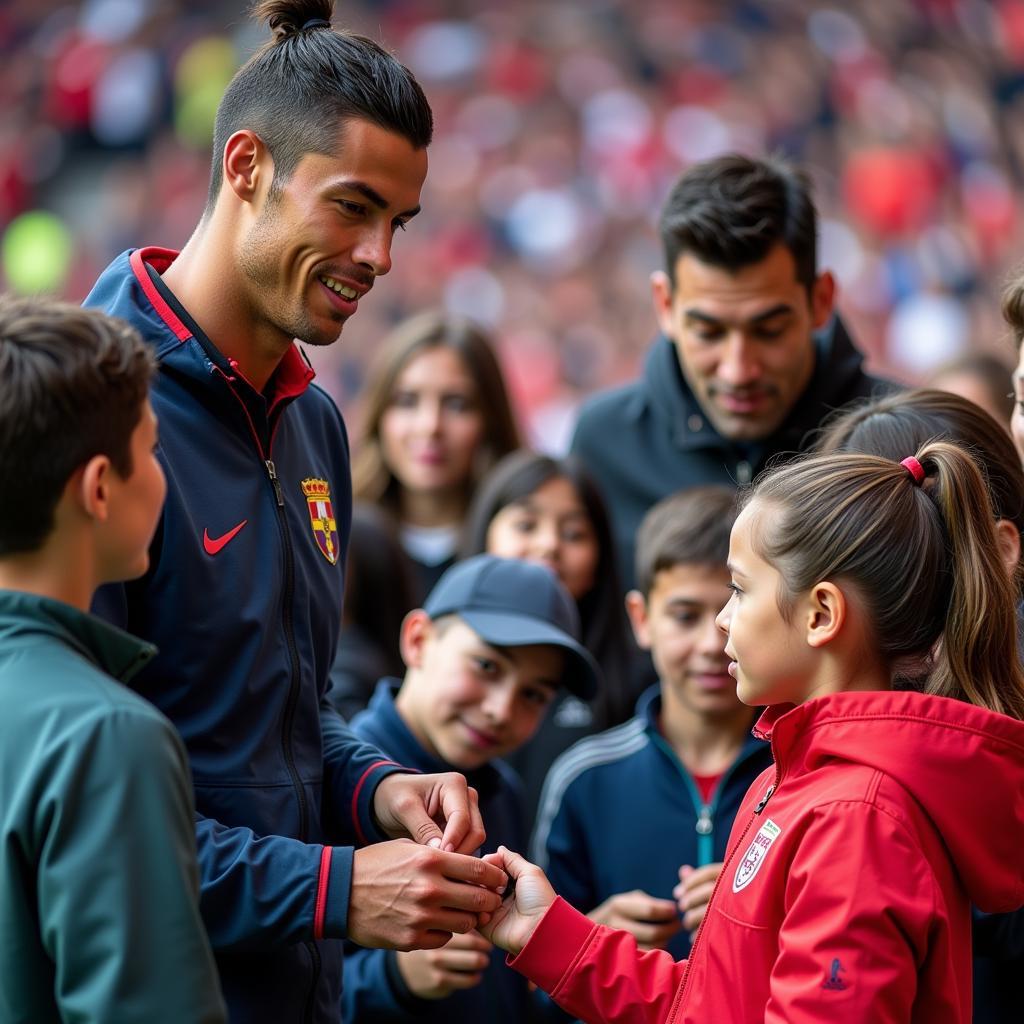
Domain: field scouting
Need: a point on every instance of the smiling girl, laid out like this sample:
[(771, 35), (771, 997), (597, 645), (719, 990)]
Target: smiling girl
[(846, 891), (437, 417)]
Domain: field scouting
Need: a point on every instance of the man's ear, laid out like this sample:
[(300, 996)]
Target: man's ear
[(661, 293), (248, 167), (89, 488), (1008, 540), (823, 298), (825, 613), (636, 609), (417, 629)]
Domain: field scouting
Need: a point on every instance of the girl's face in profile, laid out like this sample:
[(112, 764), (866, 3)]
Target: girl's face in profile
[(551, 525), (433, 426), (769, 659)]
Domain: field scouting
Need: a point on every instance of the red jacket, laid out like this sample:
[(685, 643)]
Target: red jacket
[(845, 896)]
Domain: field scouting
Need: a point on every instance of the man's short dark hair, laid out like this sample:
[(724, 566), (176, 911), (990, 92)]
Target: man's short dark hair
[(731, 211), (72, 385), (296, 91), (690, 527)]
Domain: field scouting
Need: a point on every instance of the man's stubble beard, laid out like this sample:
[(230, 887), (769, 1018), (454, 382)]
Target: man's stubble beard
[(260, 261)]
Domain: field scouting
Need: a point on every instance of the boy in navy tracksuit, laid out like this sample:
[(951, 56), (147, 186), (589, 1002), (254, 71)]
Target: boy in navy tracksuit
[(633, 822), (484, 656)]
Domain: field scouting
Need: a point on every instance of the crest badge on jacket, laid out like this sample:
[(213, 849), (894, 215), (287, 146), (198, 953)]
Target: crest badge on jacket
[(321, 517), (755, 855)]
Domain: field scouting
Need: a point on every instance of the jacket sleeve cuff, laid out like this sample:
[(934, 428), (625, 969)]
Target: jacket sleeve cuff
[(555, 945), (338, 893), (362, 800)]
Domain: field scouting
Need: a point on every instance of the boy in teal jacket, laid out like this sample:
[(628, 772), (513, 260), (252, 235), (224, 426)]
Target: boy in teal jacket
[(98, 880)]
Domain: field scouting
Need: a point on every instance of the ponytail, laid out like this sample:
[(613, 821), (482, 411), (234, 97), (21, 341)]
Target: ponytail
[(978, 660), (922, 553)]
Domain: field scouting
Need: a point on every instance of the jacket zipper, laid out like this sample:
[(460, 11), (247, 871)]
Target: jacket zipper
[(290, 706), (718, 881), (293, 654), (705, 823)]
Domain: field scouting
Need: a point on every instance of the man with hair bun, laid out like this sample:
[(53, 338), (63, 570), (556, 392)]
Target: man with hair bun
[(319, 159)]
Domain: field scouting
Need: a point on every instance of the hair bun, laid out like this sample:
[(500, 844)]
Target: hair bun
[(289, 17)]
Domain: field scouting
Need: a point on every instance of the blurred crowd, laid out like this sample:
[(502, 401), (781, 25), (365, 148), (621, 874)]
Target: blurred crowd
[(560, 127)]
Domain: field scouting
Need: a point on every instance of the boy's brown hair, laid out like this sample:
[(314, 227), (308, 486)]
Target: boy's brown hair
[(690, 527), (72, 386)]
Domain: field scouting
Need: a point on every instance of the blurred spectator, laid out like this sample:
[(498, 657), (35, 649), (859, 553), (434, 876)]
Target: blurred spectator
[(981, 378), (436, 418), (559, 129), (1013, 314)]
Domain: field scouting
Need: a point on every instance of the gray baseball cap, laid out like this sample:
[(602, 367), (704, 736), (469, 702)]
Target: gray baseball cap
[(513, 603)]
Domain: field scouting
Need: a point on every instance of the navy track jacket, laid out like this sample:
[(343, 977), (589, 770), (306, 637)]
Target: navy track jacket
[(243, 599), (620, 812)]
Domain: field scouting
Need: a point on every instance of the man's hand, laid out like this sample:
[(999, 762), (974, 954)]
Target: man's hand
[(512, 924), (693, 893), (419, 807), (436, 973), (651, 921), (406, 896)]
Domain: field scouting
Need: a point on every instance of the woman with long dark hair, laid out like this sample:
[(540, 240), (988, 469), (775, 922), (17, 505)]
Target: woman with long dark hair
[(436, 417)]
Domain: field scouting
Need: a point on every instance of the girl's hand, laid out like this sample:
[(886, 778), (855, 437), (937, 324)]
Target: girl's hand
[(512, 924)]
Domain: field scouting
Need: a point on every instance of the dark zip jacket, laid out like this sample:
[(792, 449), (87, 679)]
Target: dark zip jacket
[(375, 992), (99, 916), (620, 812), (243, 598), (650, 438)]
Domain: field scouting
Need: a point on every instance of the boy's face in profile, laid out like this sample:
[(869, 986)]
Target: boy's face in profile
[(676, 624), (135, 503), (466, 701)]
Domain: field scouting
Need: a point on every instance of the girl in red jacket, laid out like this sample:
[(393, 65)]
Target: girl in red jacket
[(846, 892)]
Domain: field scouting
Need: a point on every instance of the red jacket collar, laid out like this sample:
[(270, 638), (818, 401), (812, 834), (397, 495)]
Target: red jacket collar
[(293, 374)]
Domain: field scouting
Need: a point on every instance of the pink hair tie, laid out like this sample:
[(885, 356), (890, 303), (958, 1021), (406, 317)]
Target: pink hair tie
[(914, 468)]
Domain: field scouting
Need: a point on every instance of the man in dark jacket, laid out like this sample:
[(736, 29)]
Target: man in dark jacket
[(751, 358), (320, 155)]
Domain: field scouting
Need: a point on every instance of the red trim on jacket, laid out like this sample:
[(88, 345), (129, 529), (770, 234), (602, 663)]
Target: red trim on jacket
[(159, 260), (320, 911), (355, 797)]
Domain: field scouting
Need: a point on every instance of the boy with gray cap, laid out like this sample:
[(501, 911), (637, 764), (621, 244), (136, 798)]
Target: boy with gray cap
[(484, 658)]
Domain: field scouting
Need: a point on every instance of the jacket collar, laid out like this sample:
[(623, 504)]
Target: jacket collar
[(963, 765), (115, 652)]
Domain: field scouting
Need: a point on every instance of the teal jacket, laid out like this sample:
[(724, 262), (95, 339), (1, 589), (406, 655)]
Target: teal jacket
[(99, 888)]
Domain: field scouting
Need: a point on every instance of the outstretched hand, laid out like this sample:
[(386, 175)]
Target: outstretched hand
[(432, 810), (512, 924)]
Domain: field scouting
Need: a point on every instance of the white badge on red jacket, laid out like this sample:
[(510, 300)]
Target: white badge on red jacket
[(755, 855)]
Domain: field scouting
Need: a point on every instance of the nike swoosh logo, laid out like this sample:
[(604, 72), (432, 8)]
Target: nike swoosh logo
[(213, 545)]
